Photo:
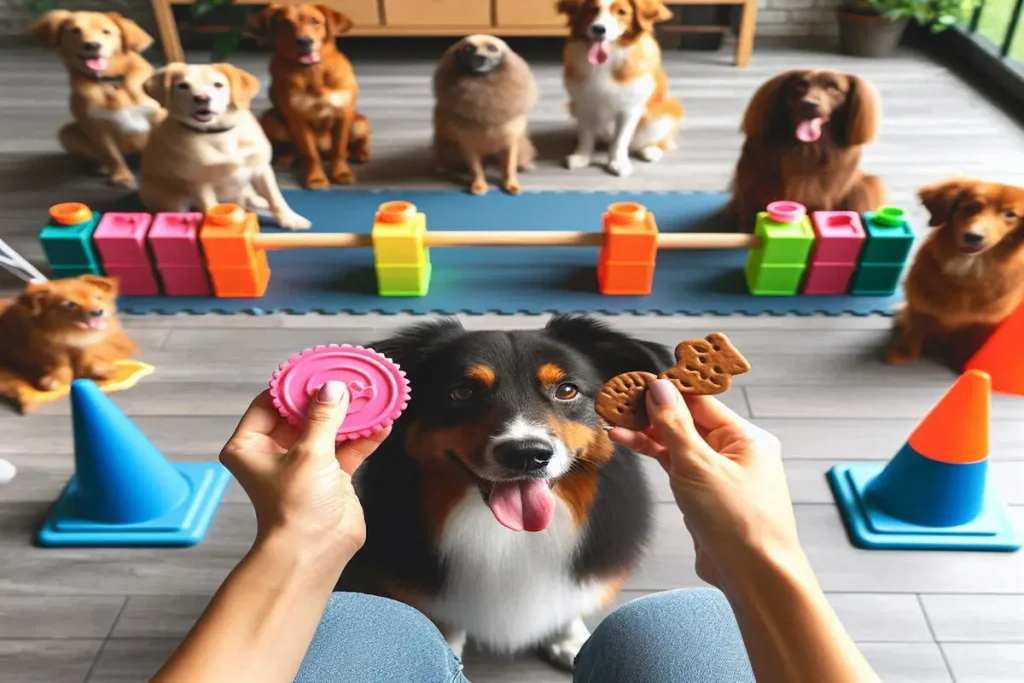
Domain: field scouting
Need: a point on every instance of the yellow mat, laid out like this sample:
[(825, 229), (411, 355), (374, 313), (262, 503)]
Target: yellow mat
[(27, 398)]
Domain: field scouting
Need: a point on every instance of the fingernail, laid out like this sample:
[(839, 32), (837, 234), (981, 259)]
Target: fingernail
[(663, 392), (331, 392)]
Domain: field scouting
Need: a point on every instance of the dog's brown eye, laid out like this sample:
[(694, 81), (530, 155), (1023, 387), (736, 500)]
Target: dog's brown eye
[(71, 305), (492, 48), (462, 392), (106, 31), (218, 85), (566, 391), (314, 22), (595, 10), (1010, 215), (622, 12), (182, 86)]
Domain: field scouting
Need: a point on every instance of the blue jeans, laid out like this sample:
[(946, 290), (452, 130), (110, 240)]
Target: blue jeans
[(684, 636)]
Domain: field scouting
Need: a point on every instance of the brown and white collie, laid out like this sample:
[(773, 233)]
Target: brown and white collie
[(617, 88)]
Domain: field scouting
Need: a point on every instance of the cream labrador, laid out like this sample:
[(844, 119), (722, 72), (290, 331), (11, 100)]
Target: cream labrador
[(211, 149)]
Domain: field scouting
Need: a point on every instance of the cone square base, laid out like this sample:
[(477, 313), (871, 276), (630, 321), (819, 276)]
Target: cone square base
[(872, 529), (185, 525)]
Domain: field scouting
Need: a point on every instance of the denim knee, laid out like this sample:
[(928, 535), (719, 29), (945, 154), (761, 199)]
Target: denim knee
[(683, 636), (369, 639)]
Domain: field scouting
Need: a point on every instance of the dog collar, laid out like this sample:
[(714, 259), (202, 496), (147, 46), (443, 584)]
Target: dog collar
[(100, 78), (205, 130)]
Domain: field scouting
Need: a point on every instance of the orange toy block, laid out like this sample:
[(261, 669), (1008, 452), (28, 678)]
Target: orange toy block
[(955, 430), (1001, 356), (630, 234), (227, 238), (241, 283), (625, 279)]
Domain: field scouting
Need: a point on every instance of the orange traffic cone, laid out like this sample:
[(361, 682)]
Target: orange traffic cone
[(1002, 356)]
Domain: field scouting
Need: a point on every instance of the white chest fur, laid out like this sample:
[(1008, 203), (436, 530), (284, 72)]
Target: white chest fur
[(327, 105), (127, 120), (507, 589), (595, 92)]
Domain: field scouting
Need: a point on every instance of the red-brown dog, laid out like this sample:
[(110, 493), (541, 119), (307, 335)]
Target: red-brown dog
[(804, 134), (969, 273), (313, 89)]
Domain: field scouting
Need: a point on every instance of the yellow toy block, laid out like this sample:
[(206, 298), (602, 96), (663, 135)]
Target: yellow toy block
[(27, 398), (398, 235)]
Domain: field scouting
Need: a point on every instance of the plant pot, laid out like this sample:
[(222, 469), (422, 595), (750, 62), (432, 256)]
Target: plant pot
[(868, 35)]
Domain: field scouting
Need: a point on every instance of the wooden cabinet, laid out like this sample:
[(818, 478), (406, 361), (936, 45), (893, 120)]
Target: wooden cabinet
[(438, 13), (528, 13), (363, 13)]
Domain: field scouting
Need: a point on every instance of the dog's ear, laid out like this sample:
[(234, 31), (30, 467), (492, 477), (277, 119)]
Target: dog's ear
[(612, 351), (940, 199), (411, 346), (49, 27), (764, 109), (133, 38), (244, 85), (863, 112), (337, 23), (159, 84), (568, 7), (109, 285), (33, 297), (262, 23), (650, 12)]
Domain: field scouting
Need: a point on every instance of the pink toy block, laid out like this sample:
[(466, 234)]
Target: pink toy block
[(120, 239), (134, 280), (839, 236), (174, 239), (184, 281), (829, 278)]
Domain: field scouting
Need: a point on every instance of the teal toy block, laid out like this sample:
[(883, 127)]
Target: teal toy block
[(61, 272), (770, 279), (786, 244), (890, 237), (71, 245), (876, 279)]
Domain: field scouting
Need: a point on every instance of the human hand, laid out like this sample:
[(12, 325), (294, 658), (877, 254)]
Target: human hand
[(727, 478), (300, 479)]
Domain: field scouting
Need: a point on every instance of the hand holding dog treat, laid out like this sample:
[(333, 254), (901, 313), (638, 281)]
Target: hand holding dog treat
[(703, 366)]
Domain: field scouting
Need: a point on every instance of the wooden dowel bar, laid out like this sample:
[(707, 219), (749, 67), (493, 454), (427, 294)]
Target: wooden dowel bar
[(525, 238)]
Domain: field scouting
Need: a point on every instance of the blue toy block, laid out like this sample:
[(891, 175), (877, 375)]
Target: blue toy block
[(890, 239), (124, 492), (71, 245), (865, 507), (876, 279)]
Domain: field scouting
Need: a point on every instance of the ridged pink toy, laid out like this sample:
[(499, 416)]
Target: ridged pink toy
[(786, 212), (378, 389)]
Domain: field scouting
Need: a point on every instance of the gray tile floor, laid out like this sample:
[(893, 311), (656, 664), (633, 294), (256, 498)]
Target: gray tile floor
[(114, 615)]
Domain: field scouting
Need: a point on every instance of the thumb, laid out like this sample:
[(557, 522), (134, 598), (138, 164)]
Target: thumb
[(673, 423), (326, 413)]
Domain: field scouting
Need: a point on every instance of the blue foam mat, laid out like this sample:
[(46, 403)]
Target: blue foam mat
[(508, 279)]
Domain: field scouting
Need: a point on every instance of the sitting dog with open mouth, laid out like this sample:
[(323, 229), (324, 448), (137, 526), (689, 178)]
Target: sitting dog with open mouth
[(211, 149), (498, 506)]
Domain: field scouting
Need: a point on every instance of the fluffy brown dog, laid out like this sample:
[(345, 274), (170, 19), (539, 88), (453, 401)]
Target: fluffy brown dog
[(969, 273), (484, 93), (313, 89), (113, 115), (61, 330), (804, 133)]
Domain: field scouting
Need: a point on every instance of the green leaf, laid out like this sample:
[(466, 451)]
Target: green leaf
[(225, 44), (40, 6), (202, 7)]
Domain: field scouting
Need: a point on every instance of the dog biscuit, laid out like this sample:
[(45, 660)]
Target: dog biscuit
[(703, 366)]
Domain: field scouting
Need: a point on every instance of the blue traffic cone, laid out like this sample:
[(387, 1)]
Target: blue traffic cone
[(124, 491)]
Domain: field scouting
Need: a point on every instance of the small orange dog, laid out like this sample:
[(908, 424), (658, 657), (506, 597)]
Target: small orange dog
[(969, 273), (313, 90), (61, 330), (617, 87)]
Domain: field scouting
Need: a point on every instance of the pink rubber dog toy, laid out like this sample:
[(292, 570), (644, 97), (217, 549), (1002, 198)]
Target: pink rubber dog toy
[(786, 212), (378, 390)]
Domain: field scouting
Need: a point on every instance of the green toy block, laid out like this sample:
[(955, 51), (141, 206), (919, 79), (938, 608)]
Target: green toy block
[(890, 237), (876, 279), (403, 280), (61, 272), (785, 244), (771, 279), (71, 245)]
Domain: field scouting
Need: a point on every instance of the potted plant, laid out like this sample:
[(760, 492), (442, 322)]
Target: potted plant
[(873, 28)]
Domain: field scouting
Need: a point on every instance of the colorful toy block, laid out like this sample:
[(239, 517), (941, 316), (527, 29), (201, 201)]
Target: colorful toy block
[(627, 256), (237, 268), (784, 243), (398, 233), (933, 494), (61, 272), (889, 236), (839, 237), (124, 492), (174, 243), (1000, 356), (829, 278), (241, 283), (403, 280), (120, 240), (770, 279), (67, 240), (876, 279)]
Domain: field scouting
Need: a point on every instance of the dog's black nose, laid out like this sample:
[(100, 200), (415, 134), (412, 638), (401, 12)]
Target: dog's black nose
[(598, 30), (524, 455), (973, 239), (96, 313), (303, 41), (92, 46), (810, 106), (201, 99)]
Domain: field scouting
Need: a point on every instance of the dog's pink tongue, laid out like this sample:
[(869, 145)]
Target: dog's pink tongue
[(97, 64), (311, 58), (598, 52), (523, 505), (809, 130)]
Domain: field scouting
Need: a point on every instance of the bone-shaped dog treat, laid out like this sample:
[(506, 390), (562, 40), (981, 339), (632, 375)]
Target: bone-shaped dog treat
[(703, 366)]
